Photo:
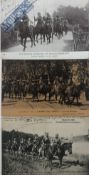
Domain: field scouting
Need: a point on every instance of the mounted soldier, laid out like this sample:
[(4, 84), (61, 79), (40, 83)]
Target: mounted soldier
[(46, 141), (26, 31), (24, 24), (58, 26), (25, 19), (35, 90), (48, 19), (29, 146), (14, 146), (57, 140), (39, 28), (39, 19)]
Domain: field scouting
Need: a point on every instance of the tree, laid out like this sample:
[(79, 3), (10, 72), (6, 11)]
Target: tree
[(74, 15)]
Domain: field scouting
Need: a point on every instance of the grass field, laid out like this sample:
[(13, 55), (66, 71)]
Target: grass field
[(13, 165)]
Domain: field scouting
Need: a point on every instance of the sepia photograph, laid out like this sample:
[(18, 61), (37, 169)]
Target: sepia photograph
[(45, 87), (44, 25), (45, 145)]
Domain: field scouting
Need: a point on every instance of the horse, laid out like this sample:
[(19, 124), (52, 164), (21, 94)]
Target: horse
[(14, 148), (48, 30), (45, 30), (44, 89), (8, 147), (70, 93), (58, 30), (26, 32), (59, 152), (39, 30), (3, 90), (34, 91), (9, 89), (77, 36)]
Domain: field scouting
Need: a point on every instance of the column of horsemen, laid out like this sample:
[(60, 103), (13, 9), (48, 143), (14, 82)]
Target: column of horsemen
[(44, 27), (40, 147), (44, 86)]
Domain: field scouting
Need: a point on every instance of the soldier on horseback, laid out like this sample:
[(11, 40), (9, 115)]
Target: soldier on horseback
[(39, 19), (46, 141), (57, 140), (25, 19), (39, 28), (48, 19), (29, 145), (24, 23), (56, 144), (14, 146)]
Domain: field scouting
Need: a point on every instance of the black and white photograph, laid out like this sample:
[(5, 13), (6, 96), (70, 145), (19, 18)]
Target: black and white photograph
[(45, 87), (45, 145), (44, 25)]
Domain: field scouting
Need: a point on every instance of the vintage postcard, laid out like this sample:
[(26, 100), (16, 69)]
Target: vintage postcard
[(45, 87), (43, 146), (44, 25)]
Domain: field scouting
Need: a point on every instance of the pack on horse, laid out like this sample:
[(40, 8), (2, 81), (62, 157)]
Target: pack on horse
[(26, 31)]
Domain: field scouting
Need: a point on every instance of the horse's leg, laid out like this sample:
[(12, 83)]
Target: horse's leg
[(60, 161), (49, 38), (37, 38), (37, 96), (25, 40), (52, 36), (50, 96), (56, 96), (50, 164), (77, 100), (45, 96), (9, 94), (22, 41), (41, 38), (31, 42), (73, 100), (34, 40)]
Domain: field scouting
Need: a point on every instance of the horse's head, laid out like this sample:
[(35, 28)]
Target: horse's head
[(69, 147)]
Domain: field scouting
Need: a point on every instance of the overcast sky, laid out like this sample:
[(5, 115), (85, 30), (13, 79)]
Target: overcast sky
[(51, 5), (50, 125), (40, 6)]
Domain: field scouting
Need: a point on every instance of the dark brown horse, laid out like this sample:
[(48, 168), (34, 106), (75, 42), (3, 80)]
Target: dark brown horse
[(26, 32)]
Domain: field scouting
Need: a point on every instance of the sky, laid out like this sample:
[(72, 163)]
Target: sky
[(41, 5), (44, 6), (66, 127), (51, 5)]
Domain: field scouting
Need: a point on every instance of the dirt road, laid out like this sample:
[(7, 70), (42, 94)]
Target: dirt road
[(26, 107), (57, 45)]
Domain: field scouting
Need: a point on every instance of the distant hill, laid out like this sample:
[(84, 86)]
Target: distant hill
[(9, 135), (83, 138)]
